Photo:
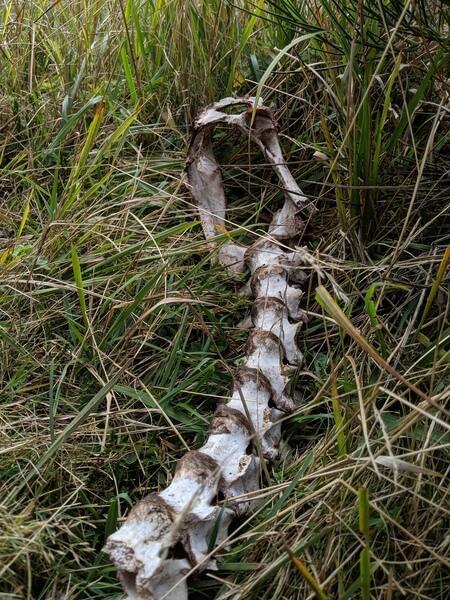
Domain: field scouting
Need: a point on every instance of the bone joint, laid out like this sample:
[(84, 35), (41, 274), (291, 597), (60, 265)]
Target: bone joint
[(167, 534)]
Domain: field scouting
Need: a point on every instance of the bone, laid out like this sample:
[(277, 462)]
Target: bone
[(272, 282), (170, 533), (232, 256), (270, 314), (264, 352), (139, 551)]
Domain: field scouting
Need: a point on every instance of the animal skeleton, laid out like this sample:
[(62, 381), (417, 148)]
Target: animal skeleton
[(246, 430)]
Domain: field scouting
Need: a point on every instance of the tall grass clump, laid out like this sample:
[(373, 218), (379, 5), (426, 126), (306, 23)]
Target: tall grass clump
[(117, 332)]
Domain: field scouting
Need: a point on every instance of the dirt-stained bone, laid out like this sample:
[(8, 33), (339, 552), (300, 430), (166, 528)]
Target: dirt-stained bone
[(169, 533)]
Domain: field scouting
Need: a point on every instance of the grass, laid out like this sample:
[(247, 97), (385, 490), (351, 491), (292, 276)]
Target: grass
[(117, 332)]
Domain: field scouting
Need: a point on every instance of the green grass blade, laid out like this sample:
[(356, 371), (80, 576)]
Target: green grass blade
[(128, 75), (288, 491), (436, 285), (338, 419), (275, 61), (79, 283)]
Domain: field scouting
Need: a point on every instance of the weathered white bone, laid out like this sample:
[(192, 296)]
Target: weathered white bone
[(267, 253), (139, 550), (232, 256), (264, 352), (272, 282), (286, 222), (270, 314), (168, 533)]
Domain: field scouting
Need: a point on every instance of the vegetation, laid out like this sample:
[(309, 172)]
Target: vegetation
[(117, 332)]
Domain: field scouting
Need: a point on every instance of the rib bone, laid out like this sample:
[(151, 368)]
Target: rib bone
[(186, 517)]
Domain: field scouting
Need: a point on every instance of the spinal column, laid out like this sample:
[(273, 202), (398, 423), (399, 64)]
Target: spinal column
[(169, 533)]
